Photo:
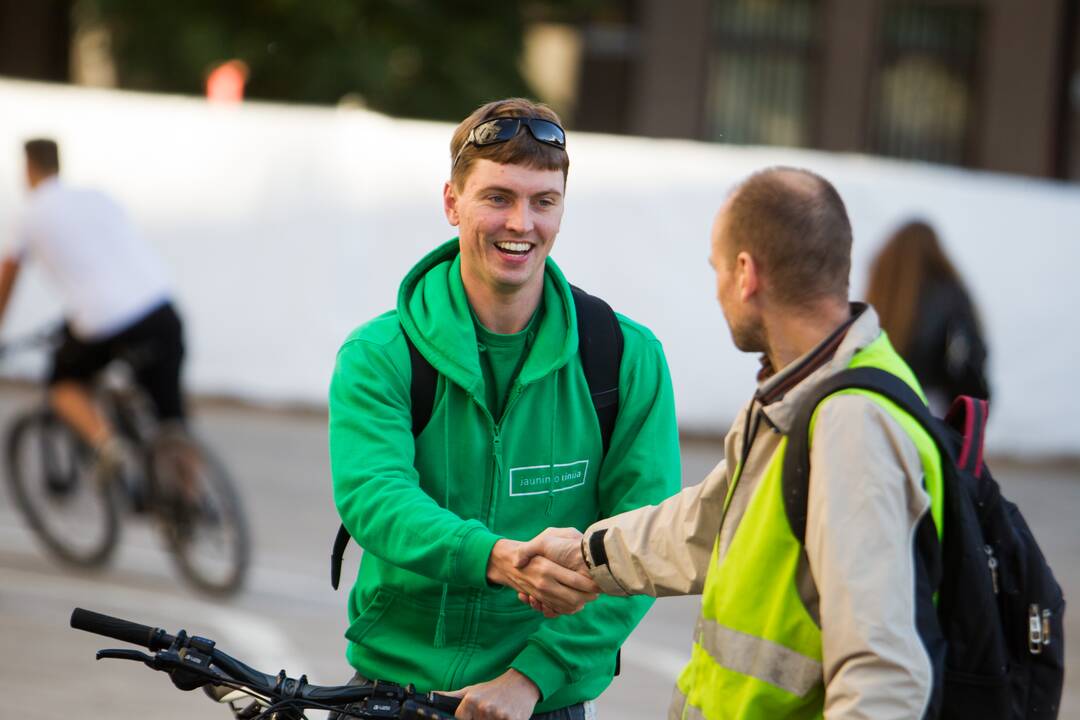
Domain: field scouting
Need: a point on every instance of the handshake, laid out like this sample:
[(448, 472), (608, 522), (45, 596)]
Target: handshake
[(548, 572)]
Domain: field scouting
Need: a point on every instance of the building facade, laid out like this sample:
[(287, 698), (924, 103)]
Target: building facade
[(984, 84)]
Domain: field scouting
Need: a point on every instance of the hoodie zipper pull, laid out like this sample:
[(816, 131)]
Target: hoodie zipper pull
[(992, 563), (497, 455)]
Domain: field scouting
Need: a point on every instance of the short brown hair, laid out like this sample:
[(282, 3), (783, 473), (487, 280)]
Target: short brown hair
[(794, 224), (43, 154), (521, 150)]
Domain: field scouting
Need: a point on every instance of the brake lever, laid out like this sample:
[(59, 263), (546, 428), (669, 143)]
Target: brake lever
[(142, 657), (187, 672)]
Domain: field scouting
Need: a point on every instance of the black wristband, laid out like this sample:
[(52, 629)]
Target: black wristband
[(596, 548)]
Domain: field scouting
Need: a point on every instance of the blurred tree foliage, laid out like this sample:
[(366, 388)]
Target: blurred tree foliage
[(435, 59)]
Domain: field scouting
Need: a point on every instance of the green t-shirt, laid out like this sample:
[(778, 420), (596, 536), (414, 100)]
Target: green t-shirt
[(501, 358)]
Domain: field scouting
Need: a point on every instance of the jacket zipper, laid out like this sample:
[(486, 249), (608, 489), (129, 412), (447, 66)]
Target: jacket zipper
[(473, 605), (497, 453), (474, 602), (992, 563), (497, 456)]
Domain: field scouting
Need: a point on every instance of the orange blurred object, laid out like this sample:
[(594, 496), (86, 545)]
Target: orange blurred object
[(225, 83)]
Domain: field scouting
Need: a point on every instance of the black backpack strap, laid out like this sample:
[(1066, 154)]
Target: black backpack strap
[(796, 471), (422, 398), (600, 344), (796, 485), (337, 554), (422, 391)]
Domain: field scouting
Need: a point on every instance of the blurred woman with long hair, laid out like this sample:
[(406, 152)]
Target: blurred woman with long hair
[(928, 314)]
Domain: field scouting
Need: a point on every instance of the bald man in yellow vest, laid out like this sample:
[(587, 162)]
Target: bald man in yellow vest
[(838, 626)]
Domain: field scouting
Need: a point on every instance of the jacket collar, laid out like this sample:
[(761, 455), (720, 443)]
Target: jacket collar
[(780, 394), (434, 311)]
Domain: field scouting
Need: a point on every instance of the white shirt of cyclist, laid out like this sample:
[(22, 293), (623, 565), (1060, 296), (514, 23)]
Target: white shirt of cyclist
[(107, 276)]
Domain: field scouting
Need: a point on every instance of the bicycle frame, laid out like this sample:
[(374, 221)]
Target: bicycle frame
[(125, 403)]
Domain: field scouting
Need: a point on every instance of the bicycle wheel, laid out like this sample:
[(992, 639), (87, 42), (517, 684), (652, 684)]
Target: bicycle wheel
[(52, 476), (201, 515)]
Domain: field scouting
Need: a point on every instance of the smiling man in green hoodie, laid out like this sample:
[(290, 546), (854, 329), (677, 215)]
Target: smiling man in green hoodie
[(513, 445)]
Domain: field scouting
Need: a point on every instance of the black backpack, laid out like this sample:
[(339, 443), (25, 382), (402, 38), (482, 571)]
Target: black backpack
[(600, 345), (998, 642)]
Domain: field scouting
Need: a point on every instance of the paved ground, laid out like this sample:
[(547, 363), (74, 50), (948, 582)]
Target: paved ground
[(289, 617)]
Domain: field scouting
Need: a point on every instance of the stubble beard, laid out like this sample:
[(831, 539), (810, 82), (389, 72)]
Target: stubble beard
[(749, 337)]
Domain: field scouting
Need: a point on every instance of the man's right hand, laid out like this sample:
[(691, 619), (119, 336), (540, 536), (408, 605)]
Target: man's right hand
[(561, 590), (559, 545)]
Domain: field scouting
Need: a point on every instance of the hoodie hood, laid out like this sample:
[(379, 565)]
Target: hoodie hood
[(434, 311)]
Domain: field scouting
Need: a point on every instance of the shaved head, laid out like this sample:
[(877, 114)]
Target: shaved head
[(794, 224)]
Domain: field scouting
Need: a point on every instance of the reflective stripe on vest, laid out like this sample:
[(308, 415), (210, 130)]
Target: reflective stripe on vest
[(759, 658), (680, 710), (757, 649)]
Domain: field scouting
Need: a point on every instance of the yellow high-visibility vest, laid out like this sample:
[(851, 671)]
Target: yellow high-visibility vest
[(757, 647)]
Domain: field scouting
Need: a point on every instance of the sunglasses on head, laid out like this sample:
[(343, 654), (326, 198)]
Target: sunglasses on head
[(502, 129)]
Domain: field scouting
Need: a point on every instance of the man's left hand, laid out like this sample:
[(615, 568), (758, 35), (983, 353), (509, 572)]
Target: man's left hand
[(511, 696)]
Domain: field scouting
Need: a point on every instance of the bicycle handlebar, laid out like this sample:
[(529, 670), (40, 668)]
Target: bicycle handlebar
[(123, 630), (193, 662)]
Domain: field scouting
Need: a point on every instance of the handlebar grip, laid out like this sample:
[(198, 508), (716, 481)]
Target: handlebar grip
[(444, 703), (124, 630)]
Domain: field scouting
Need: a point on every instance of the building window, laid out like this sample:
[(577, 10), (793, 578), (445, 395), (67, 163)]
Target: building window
[(1071, 100), (761, 71), (926, 83)]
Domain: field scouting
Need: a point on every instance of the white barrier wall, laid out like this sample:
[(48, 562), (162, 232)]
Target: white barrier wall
[(285, 227)]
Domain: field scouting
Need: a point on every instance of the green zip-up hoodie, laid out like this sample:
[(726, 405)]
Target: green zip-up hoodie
[(427, 513)]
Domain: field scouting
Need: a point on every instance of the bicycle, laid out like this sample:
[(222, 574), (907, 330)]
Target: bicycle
[(76, 514), (194, 662)]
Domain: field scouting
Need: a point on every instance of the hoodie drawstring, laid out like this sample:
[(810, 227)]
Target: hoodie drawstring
[(440, 624)]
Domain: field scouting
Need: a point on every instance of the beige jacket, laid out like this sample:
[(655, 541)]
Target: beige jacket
[(866, 499)]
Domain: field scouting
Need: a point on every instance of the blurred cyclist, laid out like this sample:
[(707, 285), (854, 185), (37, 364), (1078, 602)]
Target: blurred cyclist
[(115, 296)]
